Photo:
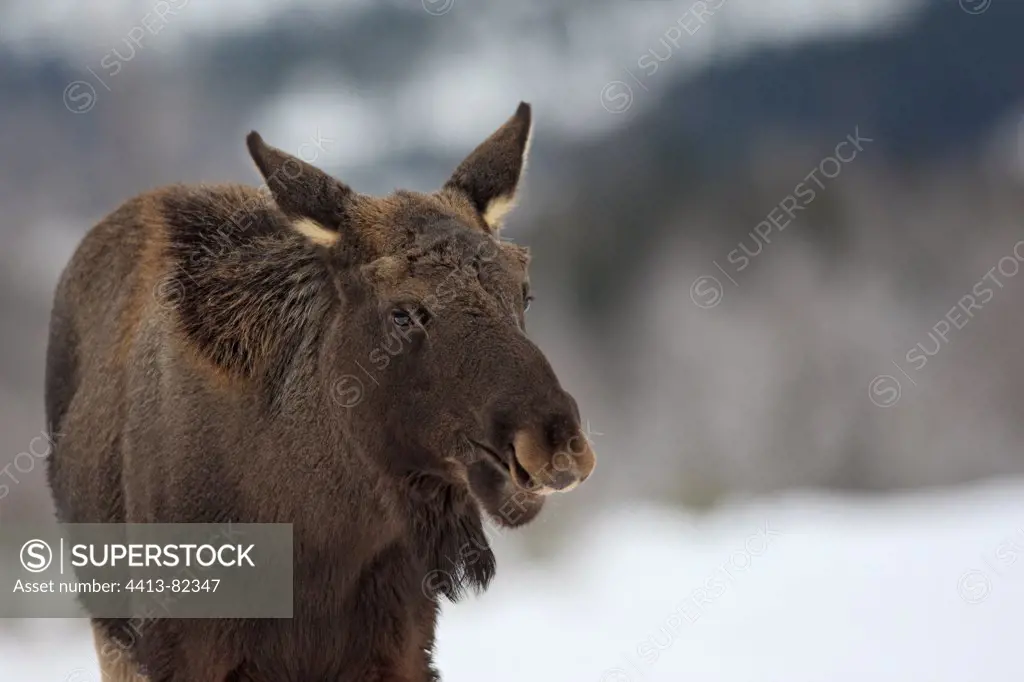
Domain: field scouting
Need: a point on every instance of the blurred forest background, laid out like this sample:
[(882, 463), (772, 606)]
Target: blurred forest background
[(666, 132), (776, 250)]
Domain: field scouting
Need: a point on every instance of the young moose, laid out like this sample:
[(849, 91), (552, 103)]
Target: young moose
[(355, 366)]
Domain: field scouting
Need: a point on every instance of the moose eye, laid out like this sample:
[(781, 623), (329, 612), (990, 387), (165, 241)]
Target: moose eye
[(401, 318), (526, 303), (405, 319)]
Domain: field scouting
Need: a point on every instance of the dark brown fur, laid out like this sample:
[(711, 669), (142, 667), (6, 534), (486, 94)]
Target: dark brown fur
[(206, 347)]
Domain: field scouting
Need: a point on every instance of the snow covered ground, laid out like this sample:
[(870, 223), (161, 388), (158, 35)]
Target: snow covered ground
[(924, 587)]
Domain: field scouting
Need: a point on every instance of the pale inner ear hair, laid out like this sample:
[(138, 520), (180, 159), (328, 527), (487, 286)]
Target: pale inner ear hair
[(315, 232), (499, 207)]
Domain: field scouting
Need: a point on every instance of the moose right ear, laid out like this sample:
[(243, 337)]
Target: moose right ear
[(490, 175), (316, 202)]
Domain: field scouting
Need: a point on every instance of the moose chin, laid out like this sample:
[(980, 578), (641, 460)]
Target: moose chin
[(301, 353)]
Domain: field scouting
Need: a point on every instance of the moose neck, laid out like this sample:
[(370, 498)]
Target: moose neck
[(445, 520)]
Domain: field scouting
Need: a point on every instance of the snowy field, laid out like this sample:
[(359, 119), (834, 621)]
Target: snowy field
[(800, 588)]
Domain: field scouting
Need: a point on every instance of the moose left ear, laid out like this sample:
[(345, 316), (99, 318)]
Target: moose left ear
[(490, 175), (316, 202)]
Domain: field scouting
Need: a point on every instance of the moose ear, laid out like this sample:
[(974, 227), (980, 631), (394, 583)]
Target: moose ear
[(490, 175), (312, 199)]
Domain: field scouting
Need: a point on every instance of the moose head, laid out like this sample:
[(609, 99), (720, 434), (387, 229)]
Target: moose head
[(425, 349)]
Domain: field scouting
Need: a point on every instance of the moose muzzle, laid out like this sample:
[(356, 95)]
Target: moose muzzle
[(544, 468)]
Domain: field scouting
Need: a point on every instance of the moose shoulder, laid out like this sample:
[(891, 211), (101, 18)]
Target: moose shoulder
[(306, 354)]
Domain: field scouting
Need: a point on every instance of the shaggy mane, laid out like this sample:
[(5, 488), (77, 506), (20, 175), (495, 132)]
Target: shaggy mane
[(250, 293)]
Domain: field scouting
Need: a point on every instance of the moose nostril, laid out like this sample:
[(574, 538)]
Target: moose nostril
[(560, 480)]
